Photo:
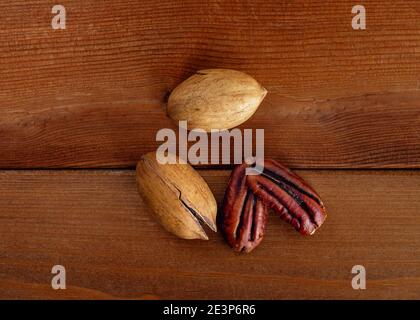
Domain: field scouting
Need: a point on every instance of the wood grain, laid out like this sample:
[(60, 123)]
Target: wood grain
[(95, 224), (93, 95)]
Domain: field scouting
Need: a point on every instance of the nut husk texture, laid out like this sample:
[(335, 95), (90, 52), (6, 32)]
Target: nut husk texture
[(215, 99), (178, 196)]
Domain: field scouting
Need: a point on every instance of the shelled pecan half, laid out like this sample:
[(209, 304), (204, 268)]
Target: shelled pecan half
[(276, 187), (244, 215)]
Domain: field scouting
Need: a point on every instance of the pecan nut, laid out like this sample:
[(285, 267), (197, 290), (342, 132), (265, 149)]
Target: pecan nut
[(276, 187), (215, 99), (179, 198), (244, 215)]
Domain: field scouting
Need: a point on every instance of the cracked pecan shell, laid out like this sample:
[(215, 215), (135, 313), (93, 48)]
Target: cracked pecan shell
[(179, 198)]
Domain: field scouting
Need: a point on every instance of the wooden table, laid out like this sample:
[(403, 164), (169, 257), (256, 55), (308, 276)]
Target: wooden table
[(79, 106)]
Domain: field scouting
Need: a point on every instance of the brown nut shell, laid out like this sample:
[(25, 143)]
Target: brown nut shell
[(215, 99), (178, 196)]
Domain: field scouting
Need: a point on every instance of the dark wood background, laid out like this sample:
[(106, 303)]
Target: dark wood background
[(343, 107)]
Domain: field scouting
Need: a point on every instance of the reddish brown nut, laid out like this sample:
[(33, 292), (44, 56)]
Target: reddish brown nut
[(244, 216), (276, 187), (288, 195)]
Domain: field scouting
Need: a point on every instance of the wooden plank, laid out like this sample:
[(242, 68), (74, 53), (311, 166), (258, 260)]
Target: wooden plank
[(95, 224), (93, 95)]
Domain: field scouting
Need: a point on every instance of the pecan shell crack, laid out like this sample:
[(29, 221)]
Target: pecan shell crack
[(196, 214)]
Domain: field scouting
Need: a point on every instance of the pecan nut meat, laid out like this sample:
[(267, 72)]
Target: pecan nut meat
[(289, 196), (277, 188), (244, 215)]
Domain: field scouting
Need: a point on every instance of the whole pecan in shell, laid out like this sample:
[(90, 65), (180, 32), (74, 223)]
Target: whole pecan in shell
[(248, 198), (215, 99)]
